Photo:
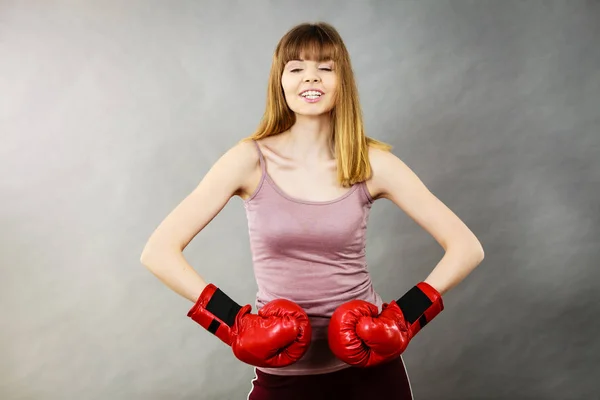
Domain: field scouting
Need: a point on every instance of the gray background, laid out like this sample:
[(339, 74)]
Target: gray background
[(111, 112)]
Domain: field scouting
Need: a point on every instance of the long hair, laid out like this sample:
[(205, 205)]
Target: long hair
[(320, 42)]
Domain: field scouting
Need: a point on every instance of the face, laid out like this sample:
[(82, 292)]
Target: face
[(309, 86)]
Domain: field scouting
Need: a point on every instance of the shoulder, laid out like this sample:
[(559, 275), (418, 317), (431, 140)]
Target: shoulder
[(236, 168), (241, 156), (381, 158), (388, 172), (243, 161)]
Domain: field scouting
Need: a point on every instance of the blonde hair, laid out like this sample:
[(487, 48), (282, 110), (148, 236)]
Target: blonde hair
[(321, 41)]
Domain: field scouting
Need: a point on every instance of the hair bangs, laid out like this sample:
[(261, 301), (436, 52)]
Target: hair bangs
[(309, 42)]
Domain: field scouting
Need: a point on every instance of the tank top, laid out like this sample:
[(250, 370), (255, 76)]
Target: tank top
[(312, 253)]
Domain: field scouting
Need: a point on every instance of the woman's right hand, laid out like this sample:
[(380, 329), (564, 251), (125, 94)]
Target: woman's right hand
[(278, 336)]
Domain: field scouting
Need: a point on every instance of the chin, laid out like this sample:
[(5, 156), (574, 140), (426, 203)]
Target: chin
[(312, 112)]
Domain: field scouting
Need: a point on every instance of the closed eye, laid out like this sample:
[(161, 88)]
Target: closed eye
[(322, 69)]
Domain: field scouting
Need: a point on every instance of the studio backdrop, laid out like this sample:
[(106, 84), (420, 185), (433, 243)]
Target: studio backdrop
[(111, 112)]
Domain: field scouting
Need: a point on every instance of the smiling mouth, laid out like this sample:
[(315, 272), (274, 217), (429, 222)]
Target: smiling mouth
[(311, 94)]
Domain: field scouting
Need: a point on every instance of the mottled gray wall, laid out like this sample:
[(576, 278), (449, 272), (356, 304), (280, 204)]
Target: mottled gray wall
[(111, 112)]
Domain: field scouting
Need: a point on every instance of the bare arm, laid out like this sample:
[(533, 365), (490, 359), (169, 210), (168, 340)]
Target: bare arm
[(163, 252), (394, 180)]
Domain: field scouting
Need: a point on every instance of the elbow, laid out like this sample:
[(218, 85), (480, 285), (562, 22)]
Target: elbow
[(469, 247), (472, 246), (145, 254), (479, 253), (154, 256), (149, 255), (145, 258), (480, 256), (151, 261)]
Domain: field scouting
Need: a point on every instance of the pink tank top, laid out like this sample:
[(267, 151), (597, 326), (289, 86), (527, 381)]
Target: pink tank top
[(312, 253)]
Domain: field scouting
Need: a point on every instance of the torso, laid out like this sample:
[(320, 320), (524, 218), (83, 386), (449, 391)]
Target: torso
[(308, 241)]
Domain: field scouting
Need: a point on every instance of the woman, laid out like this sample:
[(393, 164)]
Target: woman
[(308, 178)]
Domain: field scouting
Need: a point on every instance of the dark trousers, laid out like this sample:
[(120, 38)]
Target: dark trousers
[(383, 382)]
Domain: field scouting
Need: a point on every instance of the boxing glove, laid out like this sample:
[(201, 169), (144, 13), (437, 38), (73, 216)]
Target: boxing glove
[(361, 336), (277, 336)]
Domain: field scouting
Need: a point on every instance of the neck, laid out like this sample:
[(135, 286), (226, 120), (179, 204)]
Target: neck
[(310, 138)]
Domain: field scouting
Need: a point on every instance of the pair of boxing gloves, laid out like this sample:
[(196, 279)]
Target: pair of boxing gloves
[(280, 333)]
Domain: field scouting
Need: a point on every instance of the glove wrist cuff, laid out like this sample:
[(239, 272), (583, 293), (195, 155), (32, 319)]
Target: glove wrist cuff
[(213, 309), (420, 305)]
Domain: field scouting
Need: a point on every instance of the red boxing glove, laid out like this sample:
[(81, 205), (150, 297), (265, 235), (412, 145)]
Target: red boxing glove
[(278, 336), (361, 336)]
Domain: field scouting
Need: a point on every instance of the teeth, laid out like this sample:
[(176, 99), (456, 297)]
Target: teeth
[(311, 94)]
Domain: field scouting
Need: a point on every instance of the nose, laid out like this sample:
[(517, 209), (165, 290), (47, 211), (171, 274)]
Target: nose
[(311, 76)]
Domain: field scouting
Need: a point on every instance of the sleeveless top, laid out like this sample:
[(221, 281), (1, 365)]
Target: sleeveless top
[(312, 253)]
